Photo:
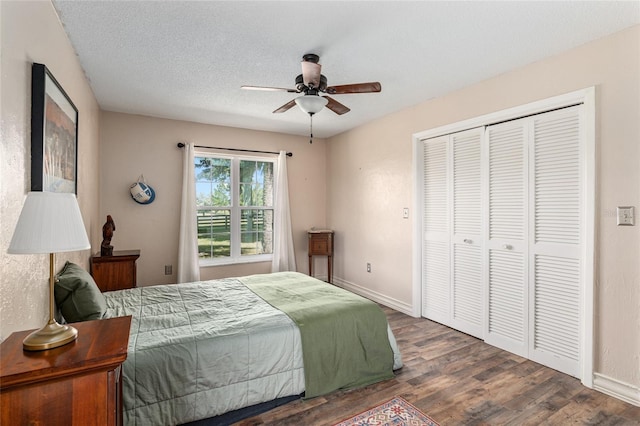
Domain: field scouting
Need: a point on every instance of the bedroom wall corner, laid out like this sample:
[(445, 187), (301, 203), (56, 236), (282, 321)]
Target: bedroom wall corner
[(132, 145), (31, 32)]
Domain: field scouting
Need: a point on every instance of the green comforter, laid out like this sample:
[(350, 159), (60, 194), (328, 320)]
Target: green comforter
[(345, 343)]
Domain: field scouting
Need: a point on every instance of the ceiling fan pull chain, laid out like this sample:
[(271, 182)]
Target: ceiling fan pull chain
[(310, 128)]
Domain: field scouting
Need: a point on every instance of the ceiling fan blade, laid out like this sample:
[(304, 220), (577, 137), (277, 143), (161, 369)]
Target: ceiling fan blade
[(285, 107), (371, 87), (270, 89), (336, 106), (311, 74)]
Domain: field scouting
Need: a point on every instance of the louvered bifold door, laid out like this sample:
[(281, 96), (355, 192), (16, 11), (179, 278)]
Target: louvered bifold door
[(507, 294), (466, 251), (435, 244), (556, 179)]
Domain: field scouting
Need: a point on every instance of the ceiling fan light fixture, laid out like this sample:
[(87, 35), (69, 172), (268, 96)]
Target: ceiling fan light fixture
[(311, 104)]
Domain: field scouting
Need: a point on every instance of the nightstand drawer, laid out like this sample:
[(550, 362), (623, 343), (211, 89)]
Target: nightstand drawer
[(116, 272), (319, 245)]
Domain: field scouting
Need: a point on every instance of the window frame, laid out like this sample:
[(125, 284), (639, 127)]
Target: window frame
[(236, 256)]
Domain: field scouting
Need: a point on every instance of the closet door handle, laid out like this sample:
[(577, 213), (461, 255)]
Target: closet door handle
[(507, 246), (468, 241)]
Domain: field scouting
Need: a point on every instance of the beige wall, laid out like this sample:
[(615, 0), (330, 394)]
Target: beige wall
[(132, 145), (371, 181), (31, 32)]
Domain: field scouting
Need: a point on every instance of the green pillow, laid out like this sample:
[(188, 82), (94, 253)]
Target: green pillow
[(77, 295)]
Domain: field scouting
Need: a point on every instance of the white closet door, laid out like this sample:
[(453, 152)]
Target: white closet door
[(435, 244), (508, 233), (507, 294), (467, 307), (556, 180)]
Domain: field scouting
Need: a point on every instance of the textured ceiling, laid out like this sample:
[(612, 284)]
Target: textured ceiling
[(186, 60)]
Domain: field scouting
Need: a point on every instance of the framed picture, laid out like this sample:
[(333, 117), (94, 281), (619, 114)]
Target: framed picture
[(54, 135)]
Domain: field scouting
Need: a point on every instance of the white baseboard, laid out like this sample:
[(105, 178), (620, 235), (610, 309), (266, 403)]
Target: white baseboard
[(617, 389), (390, 302)]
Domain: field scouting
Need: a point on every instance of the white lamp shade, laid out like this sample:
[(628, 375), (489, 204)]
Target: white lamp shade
[(50, 222), (311, 104)]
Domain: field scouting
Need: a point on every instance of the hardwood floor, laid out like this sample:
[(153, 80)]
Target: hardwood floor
[(459, 380)]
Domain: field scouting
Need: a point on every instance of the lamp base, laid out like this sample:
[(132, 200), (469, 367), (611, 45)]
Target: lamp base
[(50, 336)]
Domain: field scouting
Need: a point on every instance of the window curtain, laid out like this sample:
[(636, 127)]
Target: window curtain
[(284, 258), (188, 267)]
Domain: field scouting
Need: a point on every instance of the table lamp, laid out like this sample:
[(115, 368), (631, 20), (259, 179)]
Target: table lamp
[(49, 223)]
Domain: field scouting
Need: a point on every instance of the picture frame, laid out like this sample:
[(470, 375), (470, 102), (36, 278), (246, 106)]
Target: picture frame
[(54, 135)]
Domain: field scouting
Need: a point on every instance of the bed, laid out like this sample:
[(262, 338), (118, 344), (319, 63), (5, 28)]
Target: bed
[(201, 349)]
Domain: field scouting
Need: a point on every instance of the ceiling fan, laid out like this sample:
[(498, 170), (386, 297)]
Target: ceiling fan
[(311, 82)]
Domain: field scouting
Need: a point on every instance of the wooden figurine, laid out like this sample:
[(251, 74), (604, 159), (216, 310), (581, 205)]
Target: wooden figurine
[(106, 249)]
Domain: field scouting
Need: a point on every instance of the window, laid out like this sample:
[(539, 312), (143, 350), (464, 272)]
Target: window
[(234, 199)]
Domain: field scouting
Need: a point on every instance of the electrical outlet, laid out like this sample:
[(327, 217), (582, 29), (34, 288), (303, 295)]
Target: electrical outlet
[(168, 269), (368, 267)]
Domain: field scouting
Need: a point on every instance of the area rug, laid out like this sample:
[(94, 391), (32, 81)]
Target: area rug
[(395, 412)]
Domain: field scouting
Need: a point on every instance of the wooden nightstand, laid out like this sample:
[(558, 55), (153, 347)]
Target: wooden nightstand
[(115, 272), (321, 244), (79, 383)]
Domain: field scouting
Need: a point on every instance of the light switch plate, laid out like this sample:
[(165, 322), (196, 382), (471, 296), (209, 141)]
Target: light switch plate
[(625, 215)]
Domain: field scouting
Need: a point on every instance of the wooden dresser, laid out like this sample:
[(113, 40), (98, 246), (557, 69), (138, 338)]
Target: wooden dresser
[(115, 272), (321, 244), (79, 383)]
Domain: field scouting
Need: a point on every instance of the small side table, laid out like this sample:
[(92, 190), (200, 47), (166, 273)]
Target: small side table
[(321, 244), (115, 272), (78, 384)]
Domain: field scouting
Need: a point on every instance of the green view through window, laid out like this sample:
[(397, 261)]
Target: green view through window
[(234, 199)]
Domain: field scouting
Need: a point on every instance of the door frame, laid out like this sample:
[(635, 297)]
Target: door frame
[(587, 97)]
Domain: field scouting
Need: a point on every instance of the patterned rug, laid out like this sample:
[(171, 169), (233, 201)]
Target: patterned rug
[(395, 412)]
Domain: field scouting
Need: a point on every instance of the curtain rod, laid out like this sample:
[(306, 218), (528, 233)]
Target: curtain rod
[(289, 154)]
